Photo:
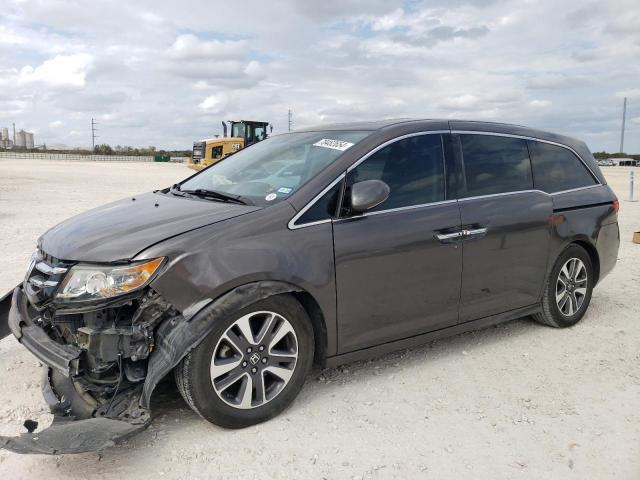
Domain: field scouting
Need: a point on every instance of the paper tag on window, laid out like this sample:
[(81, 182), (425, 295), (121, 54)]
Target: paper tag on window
[(334, 144)]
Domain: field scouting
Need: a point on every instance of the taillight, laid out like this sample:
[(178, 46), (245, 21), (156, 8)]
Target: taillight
[(616, 205)]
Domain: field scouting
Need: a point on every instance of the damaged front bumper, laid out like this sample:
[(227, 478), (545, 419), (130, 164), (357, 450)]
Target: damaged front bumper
[(78, 425)]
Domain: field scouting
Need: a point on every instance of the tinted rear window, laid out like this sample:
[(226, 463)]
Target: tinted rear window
[(557, 168), (495, 164)]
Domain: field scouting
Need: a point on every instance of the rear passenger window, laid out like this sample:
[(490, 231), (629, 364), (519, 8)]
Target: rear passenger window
[(412, 167), (494, 164), (557, 168)]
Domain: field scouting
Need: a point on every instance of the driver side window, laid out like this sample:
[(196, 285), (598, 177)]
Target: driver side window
[(413, 168)]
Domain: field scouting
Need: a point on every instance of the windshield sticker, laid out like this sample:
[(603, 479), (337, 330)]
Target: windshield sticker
[(271, 197), (285, 190), (334, 144)]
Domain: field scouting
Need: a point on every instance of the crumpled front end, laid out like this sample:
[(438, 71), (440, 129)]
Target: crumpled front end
[(96, 358)]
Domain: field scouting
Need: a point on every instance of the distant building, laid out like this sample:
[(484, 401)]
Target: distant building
[(22, 139), (28, 140)]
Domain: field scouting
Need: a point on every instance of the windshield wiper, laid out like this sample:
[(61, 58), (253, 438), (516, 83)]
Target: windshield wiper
[(201, 192)]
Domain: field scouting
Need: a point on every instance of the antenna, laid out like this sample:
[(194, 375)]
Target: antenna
[(624, 119), (93, 134), (290, 119)]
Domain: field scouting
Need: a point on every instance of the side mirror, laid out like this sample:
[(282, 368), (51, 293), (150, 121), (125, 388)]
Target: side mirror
[(368, 194)]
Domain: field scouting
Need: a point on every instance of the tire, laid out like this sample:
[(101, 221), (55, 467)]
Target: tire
[(271, 391), (556, 312)]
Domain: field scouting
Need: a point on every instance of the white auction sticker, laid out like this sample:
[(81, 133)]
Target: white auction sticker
[(271, 197), (334, 144)]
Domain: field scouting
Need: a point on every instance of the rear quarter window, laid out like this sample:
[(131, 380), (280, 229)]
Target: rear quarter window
[(557, 168), (494, 164)]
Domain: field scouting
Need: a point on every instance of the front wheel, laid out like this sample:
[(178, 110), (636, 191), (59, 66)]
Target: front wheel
[(251, 366), (567, 292)]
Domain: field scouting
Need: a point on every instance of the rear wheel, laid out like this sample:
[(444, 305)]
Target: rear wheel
[(251, 366), (567, 292)]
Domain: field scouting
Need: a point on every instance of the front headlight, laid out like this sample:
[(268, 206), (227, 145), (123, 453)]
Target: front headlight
[(94, 282)]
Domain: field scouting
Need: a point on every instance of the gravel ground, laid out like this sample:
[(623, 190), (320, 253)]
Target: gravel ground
[(514, 401)]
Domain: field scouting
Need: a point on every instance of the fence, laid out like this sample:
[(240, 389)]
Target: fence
[(83, 158)]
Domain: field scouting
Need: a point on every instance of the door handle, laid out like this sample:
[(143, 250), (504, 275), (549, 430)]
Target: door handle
[(453, 236), (473, 232), (448, 237)]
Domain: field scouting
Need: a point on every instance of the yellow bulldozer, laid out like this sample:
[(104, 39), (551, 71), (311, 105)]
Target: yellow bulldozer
[(243, 133)]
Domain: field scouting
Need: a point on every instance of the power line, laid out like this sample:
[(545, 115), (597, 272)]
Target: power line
[(93, 134), (624, 120)]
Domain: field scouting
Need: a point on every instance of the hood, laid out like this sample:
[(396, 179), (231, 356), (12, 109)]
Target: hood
[(122, 229)]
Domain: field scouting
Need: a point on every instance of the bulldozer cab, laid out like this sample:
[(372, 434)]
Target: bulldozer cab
[(243, 133), (251, 131)]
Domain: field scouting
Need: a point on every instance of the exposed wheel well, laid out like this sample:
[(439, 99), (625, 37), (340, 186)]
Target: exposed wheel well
[(317, 321), (593, 254)]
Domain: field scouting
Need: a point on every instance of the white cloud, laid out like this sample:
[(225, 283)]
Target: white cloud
[(55, 124), (214, 103), (60, 71), (165, 73), (190, 47)]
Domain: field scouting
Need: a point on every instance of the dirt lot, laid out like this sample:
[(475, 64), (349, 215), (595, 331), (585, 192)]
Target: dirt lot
[(514, 401)]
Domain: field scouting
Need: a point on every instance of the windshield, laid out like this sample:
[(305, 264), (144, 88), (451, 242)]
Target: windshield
[(270, 171), (237, 129)]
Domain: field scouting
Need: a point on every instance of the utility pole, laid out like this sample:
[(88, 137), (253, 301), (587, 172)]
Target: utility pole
[(93, 134), (290, 119), (624, 119)]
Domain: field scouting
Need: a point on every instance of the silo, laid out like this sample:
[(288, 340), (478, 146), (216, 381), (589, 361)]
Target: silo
[(28, 140), (21, 141)]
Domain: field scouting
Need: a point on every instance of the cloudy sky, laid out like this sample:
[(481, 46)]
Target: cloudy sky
[(165, 73)]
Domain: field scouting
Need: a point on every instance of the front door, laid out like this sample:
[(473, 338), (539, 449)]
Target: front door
[(397, 271), (506, 224)]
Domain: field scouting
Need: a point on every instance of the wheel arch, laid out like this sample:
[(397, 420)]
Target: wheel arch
[(593, 255), (177, 336)]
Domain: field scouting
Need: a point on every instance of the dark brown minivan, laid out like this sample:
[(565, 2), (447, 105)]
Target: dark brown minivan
[(321, 246)]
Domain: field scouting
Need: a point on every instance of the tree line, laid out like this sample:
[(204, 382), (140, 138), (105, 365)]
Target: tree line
[(605, 155), (105, 149)]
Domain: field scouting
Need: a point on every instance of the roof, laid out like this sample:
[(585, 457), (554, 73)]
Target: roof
[(469, 125)]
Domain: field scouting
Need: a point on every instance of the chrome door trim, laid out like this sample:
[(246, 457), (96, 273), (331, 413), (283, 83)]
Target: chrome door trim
[(535, 139), (576, 189), (398, 209), (502, 194), (533, 190)]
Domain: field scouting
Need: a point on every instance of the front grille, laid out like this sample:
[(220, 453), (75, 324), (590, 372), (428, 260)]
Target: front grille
[(43, 278)]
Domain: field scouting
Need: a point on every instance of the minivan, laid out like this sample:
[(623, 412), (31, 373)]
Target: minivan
[(321, 246)]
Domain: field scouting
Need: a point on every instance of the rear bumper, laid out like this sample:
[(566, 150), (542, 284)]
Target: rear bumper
[(608, 244)]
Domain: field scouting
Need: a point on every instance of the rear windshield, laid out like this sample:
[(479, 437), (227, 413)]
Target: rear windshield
[(272, 170)]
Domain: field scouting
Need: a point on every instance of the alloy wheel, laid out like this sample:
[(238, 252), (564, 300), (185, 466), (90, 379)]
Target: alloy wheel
[(571, 286), (254, 359)]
